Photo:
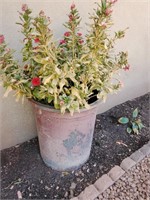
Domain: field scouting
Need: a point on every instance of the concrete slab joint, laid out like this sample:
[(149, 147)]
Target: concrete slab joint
[(90, 193), (137, 156), (115, 173), (145, 149), (127, 163), (103, 183)]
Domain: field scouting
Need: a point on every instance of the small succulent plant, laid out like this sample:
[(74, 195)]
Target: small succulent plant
[(134, 124)]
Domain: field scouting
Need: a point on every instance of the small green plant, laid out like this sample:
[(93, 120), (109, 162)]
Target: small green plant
[(134, 124), (68, 73)]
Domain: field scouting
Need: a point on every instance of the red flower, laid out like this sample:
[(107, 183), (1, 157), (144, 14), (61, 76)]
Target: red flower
[(36, 81), (24, 7), (81, 41), (126, 68), (62, 41), (36, 40), (73, 6), (67, 34), (79, 34), (108, 12), (1, 39)]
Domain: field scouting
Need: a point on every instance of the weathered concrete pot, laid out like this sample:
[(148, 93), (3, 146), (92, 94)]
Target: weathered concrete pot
[(65, 140)]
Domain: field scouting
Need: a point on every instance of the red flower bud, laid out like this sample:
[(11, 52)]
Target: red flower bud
[(79, 34), (67, 34), (73, 6), (71, 17), (24, 7), (81, 41), (108, 11), (36, 81), (62, 41), (126, 68), (1, 39), (36, 40)]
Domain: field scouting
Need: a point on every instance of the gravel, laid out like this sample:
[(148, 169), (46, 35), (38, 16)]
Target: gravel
[(134, 185)]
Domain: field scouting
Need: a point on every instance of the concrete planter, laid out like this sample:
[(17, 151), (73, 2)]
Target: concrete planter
[(65, 140)]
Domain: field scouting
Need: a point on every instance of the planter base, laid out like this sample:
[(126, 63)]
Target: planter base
[(65, 140), (66, 167)]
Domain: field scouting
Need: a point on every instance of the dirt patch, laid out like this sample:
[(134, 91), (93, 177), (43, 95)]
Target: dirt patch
[(23, 170)]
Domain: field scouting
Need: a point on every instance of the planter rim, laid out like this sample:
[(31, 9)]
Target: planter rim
[(48, 107)]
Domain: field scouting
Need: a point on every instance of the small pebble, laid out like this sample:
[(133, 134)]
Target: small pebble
[(57, 187), (73, 185), (94, 165), (71, 194), (11, 187), (19, 194), (66, 194), (47, 188)]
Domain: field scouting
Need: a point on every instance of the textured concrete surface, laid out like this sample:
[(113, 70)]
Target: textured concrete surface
[(137, 156), (127, 163), (103, 183), (89, 193), (116, 172)]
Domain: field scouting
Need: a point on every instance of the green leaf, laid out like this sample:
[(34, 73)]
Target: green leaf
[(75, 92), (103, 4), (62, 83), (135, 113), (138, 121), (123, 120), (135, 128), (50, 99), (129, 130), (140, 125)]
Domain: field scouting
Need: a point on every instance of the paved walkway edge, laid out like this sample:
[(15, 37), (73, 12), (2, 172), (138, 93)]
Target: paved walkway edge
[(105, 181)]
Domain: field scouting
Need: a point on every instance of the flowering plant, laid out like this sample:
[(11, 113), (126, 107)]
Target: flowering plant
[(69, 74)]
